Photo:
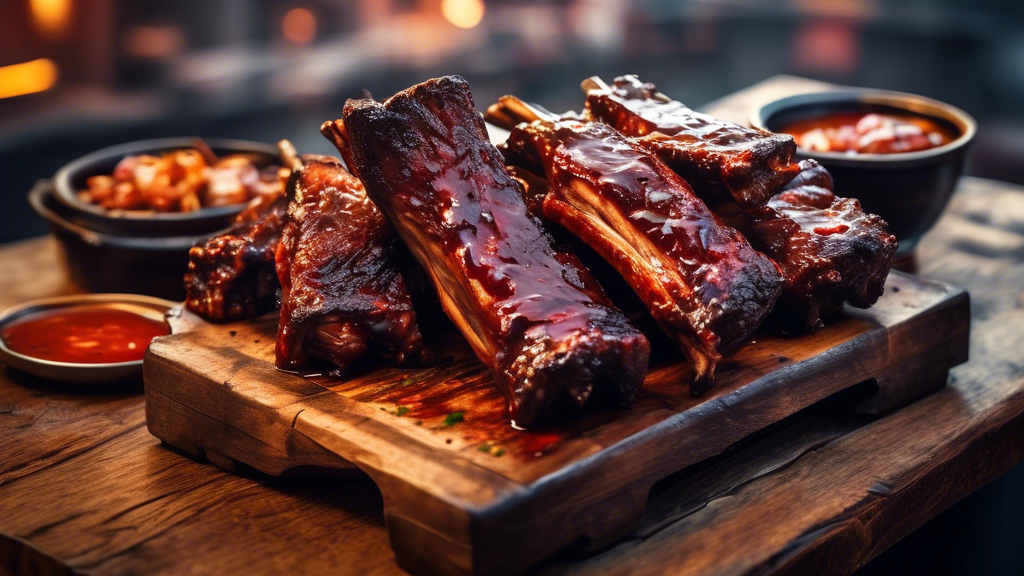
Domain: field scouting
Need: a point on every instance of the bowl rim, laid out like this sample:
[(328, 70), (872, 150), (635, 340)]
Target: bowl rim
[(964, 122), (43, 189), (14, 312), (64, 192)]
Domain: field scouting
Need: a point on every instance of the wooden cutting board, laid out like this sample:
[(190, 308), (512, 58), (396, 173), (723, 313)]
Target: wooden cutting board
[(475, 496)]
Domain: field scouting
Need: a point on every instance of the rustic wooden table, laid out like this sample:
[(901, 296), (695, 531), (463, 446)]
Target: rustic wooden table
[(85, 488)]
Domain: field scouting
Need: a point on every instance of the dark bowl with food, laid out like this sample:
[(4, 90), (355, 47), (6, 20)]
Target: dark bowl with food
[(70, 181), (899, 154), (101, 262)]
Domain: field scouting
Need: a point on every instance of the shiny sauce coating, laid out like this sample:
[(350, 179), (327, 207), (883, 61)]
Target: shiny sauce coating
[(90, 334), (861, 133)]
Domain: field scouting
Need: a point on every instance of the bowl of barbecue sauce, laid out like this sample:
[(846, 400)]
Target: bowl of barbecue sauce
[(82, 339), (900, 154)]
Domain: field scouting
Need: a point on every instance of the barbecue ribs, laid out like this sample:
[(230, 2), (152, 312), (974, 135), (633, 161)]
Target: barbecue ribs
[(700, 279), (231, 277), (829, 249), (718, 158), (531, 313), (341, 290)]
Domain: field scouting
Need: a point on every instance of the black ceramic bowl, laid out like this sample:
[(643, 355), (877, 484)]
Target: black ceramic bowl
[(100, 262), (70, 179), (909, 189)]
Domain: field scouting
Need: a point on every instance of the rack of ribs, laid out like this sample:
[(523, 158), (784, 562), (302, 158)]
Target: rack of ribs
[(231, 277), (342, 294), (719, 159), (829, 249), (700, 279), (533, 314)]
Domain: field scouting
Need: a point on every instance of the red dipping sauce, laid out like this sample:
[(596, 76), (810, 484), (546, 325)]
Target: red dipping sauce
[(868, 133), (90, 334)]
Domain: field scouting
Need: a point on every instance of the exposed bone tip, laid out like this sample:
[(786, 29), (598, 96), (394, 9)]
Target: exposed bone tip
[(289, 155), (334, 130), (522, 111), (497, 115), (594, 83)]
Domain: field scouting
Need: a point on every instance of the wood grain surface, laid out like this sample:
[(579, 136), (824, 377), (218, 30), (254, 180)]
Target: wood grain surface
[(451, 507), (84, 487)]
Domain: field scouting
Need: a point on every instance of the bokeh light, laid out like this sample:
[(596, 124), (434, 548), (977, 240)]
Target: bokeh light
[(27, 77), (299, 26), (463, 13), (51, 16)]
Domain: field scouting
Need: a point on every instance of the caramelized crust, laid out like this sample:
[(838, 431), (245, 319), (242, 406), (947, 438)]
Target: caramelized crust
[(532, 313), (829, 249), (341, 290), (699, 278), (231, 277), (721, 160)]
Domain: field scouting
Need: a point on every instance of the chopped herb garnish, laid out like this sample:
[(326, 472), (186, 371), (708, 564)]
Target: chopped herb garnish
[(453, 419), (402, 411), (406, 382), (492, 449)]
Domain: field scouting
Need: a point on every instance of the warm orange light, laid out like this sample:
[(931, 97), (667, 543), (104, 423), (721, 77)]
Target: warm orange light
[(51, 16), (27, 77), (299, 26), (463, 13)]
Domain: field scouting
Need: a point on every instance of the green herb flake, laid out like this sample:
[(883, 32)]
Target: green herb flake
[(492, 449), (406, 382), (453, 419), (402, 411)]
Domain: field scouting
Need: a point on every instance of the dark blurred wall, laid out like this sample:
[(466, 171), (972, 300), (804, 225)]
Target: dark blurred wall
[(132, 70)]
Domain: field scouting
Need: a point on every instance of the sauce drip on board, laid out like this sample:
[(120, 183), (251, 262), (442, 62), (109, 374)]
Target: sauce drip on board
[(868, 133), (90, 334)]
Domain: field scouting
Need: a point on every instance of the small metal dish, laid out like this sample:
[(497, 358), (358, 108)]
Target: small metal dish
[(150, 307)]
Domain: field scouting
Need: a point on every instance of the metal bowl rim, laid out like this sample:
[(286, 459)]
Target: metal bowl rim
[(64, 192), (914, 103), (18, 310)]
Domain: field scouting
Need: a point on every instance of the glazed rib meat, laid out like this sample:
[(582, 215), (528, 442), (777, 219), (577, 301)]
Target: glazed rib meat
[(531, 313), (231, 277), (719, 159), (811, 174), (699, 278), (829, 249), (342, 293)]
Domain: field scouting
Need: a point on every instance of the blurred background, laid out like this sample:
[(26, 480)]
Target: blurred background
[(77, 75)]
